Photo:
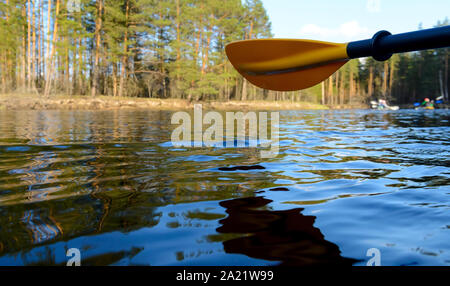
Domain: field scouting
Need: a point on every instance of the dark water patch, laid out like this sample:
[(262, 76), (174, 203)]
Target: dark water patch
[(279, 189), (285, 236), (242, 168)]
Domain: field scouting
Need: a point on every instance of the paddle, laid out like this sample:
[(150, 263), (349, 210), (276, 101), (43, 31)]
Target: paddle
[(291, 64)]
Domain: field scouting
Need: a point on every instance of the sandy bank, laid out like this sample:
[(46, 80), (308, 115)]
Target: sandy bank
[(30, 102)]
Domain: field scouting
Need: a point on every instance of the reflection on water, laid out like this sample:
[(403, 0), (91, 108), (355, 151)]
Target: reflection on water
[(111, 184), (286, 236)]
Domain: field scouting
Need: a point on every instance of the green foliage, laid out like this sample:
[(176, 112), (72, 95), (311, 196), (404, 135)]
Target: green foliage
[(415, 75), (175, 49), (403, 79)]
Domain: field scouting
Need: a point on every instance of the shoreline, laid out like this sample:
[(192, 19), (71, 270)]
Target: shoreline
[(62, 102)]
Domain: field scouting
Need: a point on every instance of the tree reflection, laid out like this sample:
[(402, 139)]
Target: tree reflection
[(286, 236)]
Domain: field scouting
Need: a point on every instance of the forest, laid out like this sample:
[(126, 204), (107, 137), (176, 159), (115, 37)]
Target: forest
[(175, 49)]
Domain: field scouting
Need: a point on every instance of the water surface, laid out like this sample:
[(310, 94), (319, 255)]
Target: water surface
[(111, 184)]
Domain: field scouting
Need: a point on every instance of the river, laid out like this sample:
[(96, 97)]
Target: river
[(110, 184)]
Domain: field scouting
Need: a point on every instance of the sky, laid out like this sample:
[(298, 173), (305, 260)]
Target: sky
[(349, 20)]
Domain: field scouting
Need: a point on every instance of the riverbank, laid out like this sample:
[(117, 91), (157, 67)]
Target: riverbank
[(34, 102)]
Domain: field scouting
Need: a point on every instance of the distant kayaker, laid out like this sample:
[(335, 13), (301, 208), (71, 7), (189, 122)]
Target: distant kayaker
[(427, 103), (382, 104)]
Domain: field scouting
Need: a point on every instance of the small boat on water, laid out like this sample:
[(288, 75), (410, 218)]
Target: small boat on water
[(427, 104), (381, 104), (424, 108)]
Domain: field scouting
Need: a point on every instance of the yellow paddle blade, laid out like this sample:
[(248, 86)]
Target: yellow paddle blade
[(286, 64)]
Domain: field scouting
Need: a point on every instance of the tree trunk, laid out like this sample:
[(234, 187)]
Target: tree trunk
[(385, 77), (441, 84), (244, 89), (370, 84), (6, 65), (80, 67), (323, 93), (391, 77), (336, 98), (74, 67), (39, 59), (330, 90), (97, 35), (47, 49), (48, 82), (123, 73), (66, 69), (178, 40), (33, 45), (29, 52), (206, 51), (244, 81), (352, 88), (197, 49), (24, 53), (114, 78), (3, 73)]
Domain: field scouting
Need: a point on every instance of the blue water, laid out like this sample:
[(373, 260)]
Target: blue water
[(111, 184)]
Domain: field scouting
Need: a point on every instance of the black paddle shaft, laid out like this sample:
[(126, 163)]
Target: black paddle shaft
[(383, 44)]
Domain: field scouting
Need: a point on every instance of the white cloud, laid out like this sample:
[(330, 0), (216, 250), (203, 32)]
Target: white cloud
[(373, 6), (349, 31)]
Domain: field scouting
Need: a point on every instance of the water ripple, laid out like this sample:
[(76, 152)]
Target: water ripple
[(112, 184)]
